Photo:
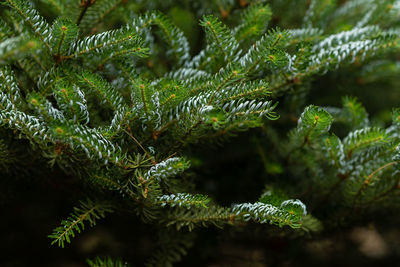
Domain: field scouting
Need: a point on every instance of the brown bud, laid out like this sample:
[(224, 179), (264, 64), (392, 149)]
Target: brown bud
[(59, 130)]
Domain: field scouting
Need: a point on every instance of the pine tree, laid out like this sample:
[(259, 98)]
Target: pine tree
[(114, 95)]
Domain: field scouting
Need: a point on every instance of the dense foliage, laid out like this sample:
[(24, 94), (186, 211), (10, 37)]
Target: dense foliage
[(134, 103)]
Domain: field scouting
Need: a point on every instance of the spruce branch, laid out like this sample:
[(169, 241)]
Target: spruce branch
[(248, 108), (253, 22), (102, 88), (200, 217), (354, 113), (139, 144), (220, 38), (56, 5), (364, 138), (38, 25), (367, 181), (175, 38), (108, 181), (64, 35), (268, 48), (88, 212), (91, 141), (44, 108), (105, 43), (97, 13), (289, 213), (16, 48), (32, 127), (9, 86), (166, 169), (250, 90), (85, 4), (313, 122), (183, 200), (72, 102), (230, 77)]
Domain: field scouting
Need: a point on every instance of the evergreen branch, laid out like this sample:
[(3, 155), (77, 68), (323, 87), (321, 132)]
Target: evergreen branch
[(220, 38), (333, 56), (183, 200), (137, 50), (317, 11), (268, 48), (188, 75), (356, 34), (119, 123), (304, 35), (326, 59), (190, 130), (253, 21), (64, 34), (167, 168), (30, 65), (89, 44), (191, 218), (247, 108), (38, 25), (240, 124), (313, 122), (380, 169), (111, 184), (354, 113), (106, 42), (365, 138), (88, 211), (58, 5), (44, 108), (204, 60), (245, 90), (175, 38), (49, 79), (85, 4), (172, 100), (369, 180), (9, 86), (103, 89), (72, 102), (363, 12), (144, 100), (378, 197), (286, 214), (97, 12), (15, 48), (227, 77), (91, 141), (29, 125), (139, 144), (334, 146), (147, 104), (396, 116), (207, 23), (5, 30), (108, 183)]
